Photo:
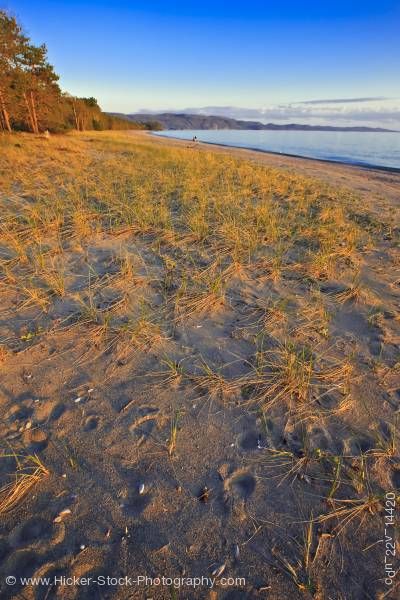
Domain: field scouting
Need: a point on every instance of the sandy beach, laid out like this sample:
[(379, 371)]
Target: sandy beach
[(199, 371)]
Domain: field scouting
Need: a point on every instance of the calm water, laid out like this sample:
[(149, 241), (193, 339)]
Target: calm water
[(379, 149)]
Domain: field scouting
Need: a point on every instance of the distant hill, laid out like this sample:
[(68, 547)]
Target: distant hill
[(191, 121)]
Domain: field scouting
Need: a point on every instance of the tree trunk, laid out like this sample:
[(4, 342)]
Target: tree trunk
[(75, 116), (82, 121), (4, 113), (31, 121), (34, 115)]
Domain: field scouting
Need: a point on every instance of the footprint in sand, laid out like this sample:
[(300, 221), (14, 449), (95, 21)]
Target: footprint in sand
[(150, 537), (241, 484), (396, 478), (320, 438), (18, 413), (4, 549), (359, 445), (375, 345), (37, 532), (94, 574), (135, 504), (143, 424), (91, 423), (386, 430), (49, 411), (249, 441), (23, 563), (330, 401), (50, 571), (35, 440), (293, 440)]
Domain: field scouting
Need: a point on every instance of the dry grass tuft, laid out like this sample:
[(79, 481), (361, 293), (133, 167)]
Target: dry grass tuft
[(295, 374), (30, 470)]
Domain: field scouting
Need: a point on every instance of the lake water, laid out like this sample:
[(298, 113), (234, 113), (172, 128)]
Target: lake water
[(358, 148)]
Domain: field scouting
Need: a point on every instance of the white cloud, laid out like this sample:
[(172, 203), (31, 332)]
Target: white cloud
[(371, 112)]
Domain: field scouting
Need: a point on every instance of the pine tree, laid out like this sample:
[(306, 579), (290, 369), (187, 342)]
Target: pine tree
[(12, 43), (30, 97)]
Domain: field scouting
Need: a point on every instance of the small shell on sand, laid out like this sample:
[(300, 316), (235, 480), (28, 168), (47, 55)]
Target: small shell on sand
[(62, 514), (204, 494), (219, 570), (141, 488)]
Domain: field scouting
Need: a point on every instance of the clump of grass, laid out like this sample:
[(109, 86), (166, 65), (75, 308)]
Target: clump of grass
[(32, 334), (273, 312), (355, 292), (314, 318), (168, 281), (55, 281), (171, 446), (300, 569), (207, 293), (286, 464), (285, 372), (213, 384), (293, 373), (30, 471), (322, 264), (138, 332), (375, 317), (272, 267), (196, 221), (82, 223), (126, 267), (16, 242), (347, 510), (173, 373), (35, 296)]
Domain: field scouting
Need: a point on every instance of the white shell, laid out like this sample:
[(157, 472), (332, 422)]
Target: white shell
[(219, 570), (62, 514), (141, 488)]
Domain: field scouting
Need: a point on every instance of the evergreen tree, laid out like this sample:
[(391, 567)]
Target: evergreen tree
[(12, 43), (30, 97)]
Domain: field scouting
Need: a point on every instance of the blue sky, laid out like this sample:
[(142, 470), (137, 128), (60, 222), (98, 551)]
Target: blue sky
[(255, 59)]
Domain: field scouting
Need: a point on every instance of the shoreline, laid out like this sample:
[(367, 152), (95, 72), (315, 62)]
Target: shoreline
[(366, 166)]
